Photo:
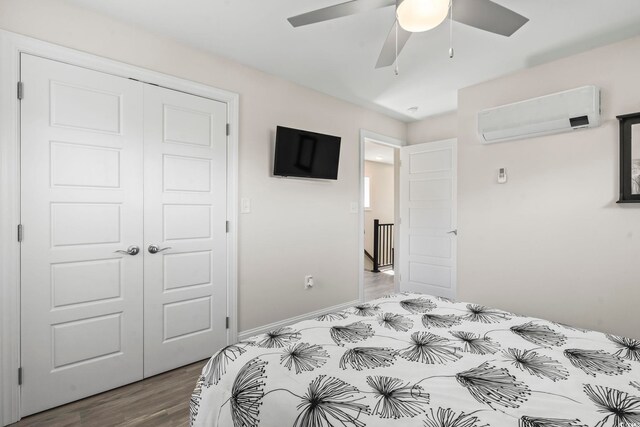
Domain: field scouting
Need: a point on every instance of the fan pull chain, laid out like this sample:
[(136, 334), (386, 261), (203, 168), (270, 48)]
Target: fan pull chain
[(451, 29), (397, 69)]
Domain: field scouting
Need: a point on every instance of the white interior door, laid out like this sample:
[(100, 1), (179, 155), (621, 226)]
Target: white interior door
[(185, 282), (428, 218), (81, 161)]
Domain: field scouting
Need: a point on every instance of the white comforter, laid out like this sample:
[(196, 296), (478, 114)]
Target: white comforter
[(415, 360)]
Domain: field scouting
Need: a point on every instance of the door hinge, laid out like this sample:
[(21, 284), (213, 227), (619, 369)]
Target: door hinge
[(226, 323), (20, 232), (20, 90), (20, 375), (228, 129), (227, 226)]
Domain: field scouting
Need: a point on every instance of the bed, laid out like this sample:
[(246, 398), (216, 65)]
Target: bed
[(416, 360)]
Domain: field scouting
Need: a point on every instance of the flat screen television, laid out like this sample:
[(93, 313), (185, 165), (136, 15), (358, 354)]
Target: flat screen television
[(305, 154)]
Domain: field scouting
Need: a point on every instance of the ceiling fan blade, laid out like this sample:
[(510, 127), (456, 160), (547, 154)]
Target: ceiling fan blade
[(337, 11), (487, 15), (388, 54)]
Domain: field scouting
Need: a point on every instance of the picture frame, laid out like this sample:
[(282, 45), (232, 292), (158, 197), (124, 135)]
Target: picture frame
[(629, 158)]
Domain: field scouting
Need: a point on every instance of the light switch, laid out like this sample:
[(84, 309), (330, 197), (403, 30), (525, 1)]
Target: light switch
[(354, 208), (245, 205)]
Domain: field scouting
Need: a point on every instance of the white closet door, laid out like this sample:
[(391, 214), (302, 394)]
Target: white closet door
[(81, 160), (185, 283), (428, 213)]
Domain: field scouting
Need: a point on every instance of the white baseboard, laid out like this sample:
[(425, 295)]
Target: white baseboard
[(286, 322)]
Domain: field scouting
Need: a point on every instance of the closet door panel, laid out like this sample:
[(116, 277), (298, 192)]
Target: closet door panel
[(81, 188), (185, 211)]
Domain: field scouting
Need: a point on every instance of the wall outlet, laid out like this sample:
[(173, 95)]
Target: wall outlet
[(308, 282)]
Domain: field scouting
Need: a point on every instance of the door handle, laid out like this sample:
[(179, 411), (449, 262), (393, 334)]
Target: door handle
[(131, 250), (454, 232), (154, 249)]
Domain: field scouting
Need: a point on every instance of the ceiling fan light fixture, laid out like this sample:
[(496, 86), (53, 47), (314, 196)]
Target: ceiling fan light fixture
[(421, 15)]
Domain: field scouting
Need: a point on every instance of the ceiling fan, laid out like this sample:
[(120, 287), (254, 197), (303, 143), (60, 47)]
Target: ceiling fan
[(421, 15)]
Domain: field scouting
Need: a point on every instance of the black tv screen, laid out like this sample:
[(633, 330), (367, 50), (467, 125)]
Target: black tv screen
[(306, 154)]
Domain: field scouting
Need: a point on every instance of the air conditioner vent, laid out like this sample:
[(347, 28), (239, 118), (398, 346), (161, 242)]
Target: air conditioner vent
[(559, 112), (579, 122)]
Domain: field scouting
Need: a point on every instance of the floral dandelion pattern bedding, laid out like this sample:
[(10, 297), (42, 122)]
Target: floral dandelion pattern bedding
[(416, 360)]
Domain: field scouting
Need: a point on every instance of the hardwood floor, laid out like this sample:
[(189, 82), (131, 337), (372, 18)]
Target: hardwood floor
[(160, 401), (377, 285)]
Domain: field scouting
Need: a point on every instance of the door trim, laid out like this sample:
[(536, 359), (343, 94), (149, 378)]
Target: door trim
[(11, 46), (394, 143)]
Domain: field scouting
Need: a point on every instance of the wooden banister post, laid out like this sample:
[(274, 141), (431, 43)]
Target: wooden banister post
[(376, 249)]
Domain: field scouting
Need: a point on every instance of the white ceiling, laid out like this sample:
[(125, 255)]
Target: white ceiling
[(378, 153), (338, 57)]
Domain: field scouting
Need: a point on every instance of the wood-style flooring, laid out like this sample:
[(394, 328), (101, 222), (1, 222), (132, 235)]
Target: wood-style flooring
[(377, 285), (160, 401)]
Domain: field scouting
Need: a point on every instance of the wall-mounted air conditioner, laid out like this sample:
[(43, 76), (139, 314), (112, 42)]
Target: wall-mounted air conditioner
[(560, 112)]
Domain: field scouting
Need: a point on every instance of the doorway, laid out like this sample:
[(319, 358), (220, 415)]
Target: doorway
[(425, 207), (379, 183)]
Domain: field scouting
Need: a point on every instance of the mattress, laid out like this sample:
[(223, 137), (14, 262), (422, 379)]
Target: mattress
[(416, 360)]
